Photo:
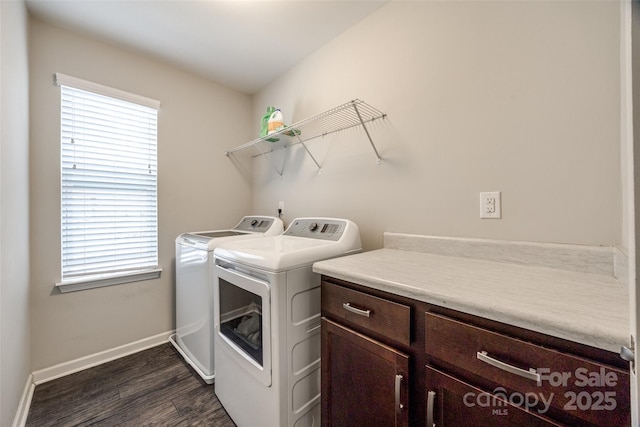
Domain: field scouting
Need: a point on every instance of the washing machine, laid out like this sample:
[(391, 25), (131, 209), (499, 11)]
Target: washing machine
[(267, 328), (194, 287)]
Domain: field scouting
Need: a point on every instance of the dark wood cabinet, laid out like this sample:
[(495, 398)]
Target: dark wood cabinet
[(555, 384), (364, 382), (457, 369)]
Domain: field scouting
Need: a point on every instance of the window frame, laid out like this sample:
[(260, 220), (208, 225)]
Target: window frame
[(91, 281)]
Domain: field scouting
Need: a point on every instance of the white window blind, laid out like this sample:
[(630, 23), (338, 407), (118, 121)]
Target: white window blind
[(109, 184)]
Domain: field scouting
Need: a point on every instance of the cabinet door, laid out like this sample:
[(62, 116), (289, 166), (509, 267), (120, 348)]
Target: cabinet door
[(364, 382), (454, 403)]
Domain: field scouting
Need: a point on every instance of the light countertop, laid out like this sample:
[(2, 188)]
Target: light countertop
[(585, 307)]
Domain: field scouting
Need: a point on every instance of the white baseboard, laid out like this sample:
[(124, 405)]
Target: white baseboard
[(25, 403), (67, 368)]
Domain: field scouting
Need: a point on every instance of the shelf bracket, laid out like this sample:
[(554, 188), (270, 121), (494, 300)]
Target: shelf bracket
[(309, 153), (355, 107), (264, 153)]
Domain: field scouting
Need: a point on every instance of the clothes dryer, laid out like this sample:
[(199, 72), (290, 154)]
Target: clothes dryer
[(267, 327)]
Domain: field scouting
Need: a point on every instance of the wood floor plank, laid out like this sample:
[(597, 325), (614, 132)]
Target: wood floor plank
[(197, 402), (162, 414), (139, 400), (105, 375), (71, 399), (153, 387), (219, 419), (160, 379), (66, 413)]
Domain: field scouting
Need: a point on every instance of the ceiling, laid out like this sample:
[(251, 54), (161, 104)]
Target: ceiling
[(242, 44)]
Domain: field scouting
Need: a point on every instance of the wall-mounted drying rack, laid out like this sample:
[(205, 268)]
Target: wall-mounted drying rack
[(353, 113)]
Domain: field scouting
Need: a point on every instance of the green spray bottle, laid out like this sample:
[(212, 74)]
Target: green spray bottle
[(264, 124)]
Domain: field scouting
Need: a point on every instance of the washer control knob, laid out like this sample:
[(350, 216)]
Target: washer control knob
[(313, 226), (254, 222)]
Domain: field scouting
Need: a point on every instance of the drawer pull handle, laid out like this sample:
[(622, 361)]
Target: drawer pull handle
[(347, 306), (431, 397), (531, 374), (399, 406)]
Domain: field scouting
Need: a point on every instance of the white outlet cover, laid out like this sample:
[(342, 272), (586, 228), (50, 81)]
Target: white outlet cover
[(491, 205)]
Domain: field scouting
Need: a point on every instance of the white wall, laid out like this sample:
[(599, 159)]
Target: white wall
[(626, 127), (518, 97), (198, 188), (15, 349), (633, 142), (630, 53)]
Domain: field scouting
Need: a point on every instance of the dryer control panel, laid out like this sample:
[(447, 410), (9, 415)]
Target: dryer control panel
[(317, 228)]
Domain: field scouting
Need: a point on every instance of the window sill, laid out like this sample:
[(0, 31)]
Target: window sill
[(99, 281)]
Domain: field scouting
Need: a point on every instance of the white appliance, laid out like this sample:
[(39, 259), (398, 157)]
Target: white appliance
[(267, 328), (194, 288)]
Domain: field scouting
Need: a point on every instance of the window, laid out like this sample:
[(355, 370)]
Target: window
[(109, 216)]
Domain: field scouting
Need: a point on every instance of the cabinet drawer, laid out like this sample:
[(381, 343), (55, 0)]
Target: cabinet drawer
[(560, 384), (375, 314)]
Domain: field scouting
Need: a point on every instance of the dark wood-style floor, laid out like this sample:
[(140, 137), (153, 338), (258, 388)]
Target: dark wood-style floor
[(154, 387)]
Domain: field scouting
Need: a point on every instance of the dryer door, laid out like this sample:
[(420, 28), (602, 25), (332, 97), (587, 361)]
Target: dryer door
[(244, 320)]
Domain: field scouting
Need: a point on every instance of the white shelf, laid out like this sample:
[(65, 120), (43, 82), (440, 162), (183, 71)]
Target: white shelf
[(351, 114)]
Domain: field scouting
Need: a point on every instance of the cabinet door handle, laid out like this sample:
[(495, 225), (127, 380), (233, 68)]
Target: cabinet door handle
[(347, 306), (431, 398), (531, 374), (399, 406), (627, 354)]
